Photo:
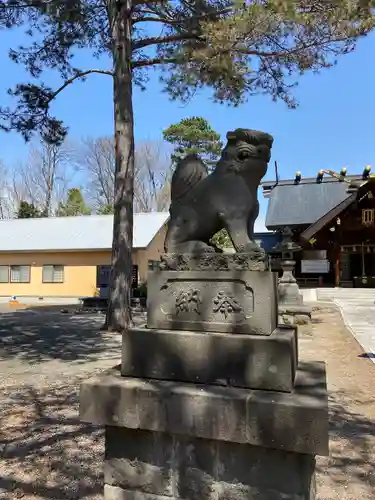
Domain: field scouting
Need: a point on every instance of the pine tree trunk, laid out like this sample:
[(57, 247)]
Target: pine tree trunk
[(119, 312)]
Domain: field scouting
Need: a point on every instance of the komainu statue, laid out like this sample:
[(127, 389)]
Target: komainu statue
[(202, 204)]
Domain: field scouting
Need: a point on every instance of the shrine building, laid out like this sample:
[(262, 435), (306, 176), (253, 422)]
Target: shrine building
[(332, 219)]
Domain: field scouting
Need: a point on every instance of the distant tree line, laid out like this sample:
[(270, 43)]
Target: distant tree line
[(77, 178)]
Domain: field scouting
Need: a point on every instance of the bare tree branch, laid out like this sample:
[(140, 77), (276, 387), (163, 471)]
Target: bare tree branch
[(152, 177), (6, 209), (18, 190), (96, 158), (43, 179)]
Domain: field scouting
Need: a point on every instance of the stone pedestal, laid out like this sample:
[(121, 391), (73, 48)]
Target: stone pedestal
[(177, 466), (212, 301), (197, 411), (188, 441), (252, 361)]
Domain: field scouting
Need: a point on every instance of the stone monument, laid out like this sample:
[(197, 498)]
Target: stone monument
[(292, 310), (210, 401)]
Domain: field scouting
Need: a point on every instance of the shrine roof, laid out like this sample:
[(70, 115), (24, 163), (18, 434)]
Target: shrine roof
[(304, 203)]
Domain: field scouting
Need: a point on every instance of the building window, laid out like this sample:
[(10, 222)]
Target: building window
[(368, 217), (103, 274), (135, 276), (4, 274), (53, 274), (20, 274), (153, 265)]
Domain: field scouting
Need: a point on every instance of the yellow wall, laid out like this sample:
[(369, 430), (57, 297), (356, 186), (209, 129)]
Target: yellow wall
[(79, 270), (79, 273), (152, 252)]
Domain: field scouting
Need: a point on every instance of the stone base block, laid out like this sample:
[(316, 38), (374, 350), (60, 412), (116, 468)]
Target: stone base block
[(232, 301), (212, 261), (289, 293), (149, 465), (295, 309), (251, 361), (291, 314), (296, 422)]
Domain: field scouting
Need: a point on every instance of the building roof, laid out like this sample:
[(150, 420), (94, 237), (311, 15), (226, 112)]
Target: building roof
[(303, 204), (353, 195), (267, 186), (91, 232)]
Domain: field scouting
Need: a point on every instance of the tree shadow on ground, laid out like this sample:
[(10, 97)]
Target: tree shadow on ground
[(316, 321), (46, 452), (45, 333), (348, 471)]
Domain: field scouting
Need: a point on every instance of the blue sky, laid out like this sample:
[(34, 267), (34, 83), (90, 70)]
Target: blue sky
[(332, 127)]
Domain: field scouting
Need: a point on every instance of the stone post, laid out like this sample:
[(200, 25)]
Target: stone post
[(210, 401), (292, 310), (288, 288)]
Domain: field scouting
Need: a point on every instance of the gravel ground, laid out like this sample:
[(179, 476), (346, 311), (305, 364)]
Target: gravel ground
[(46, 453), (349, 472)]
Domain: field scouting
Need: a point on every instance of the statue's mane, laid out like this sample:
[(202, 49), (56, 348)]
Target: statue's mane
[(253, 137), (188, 173)]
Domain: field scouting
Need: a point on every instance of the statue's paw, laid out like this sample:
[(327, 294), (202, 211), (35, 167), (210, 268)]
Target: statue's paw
[(201, 247), (252, 248), (195, 247)]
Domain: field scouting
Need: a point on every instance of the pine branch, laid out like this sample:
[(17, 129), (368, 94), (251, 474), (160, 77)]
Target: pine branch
[(77, 76), (285, 53), (148, 2), (174, 22), (151, 62), (27, 4), (32, 111), (146, 42), (147, 19)]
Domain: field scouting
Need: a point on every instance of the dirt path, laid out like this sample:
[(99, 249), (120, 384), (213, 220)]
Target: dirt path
[(46, 453), (349, 472)]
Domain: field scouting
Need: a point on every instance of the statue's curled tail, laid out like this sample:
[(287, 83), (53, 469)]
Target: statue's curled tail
[(188, 173)]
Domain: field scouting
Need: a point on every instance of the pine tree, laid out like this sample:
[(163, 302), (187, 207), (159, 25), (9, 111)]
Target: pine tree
[(105, 210), (27, 211), (235, 48), (74, 205), (194, 135)]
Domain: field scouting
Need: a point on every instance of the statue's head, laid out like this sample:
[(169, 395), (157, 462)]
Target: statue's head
[(247, 151)]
